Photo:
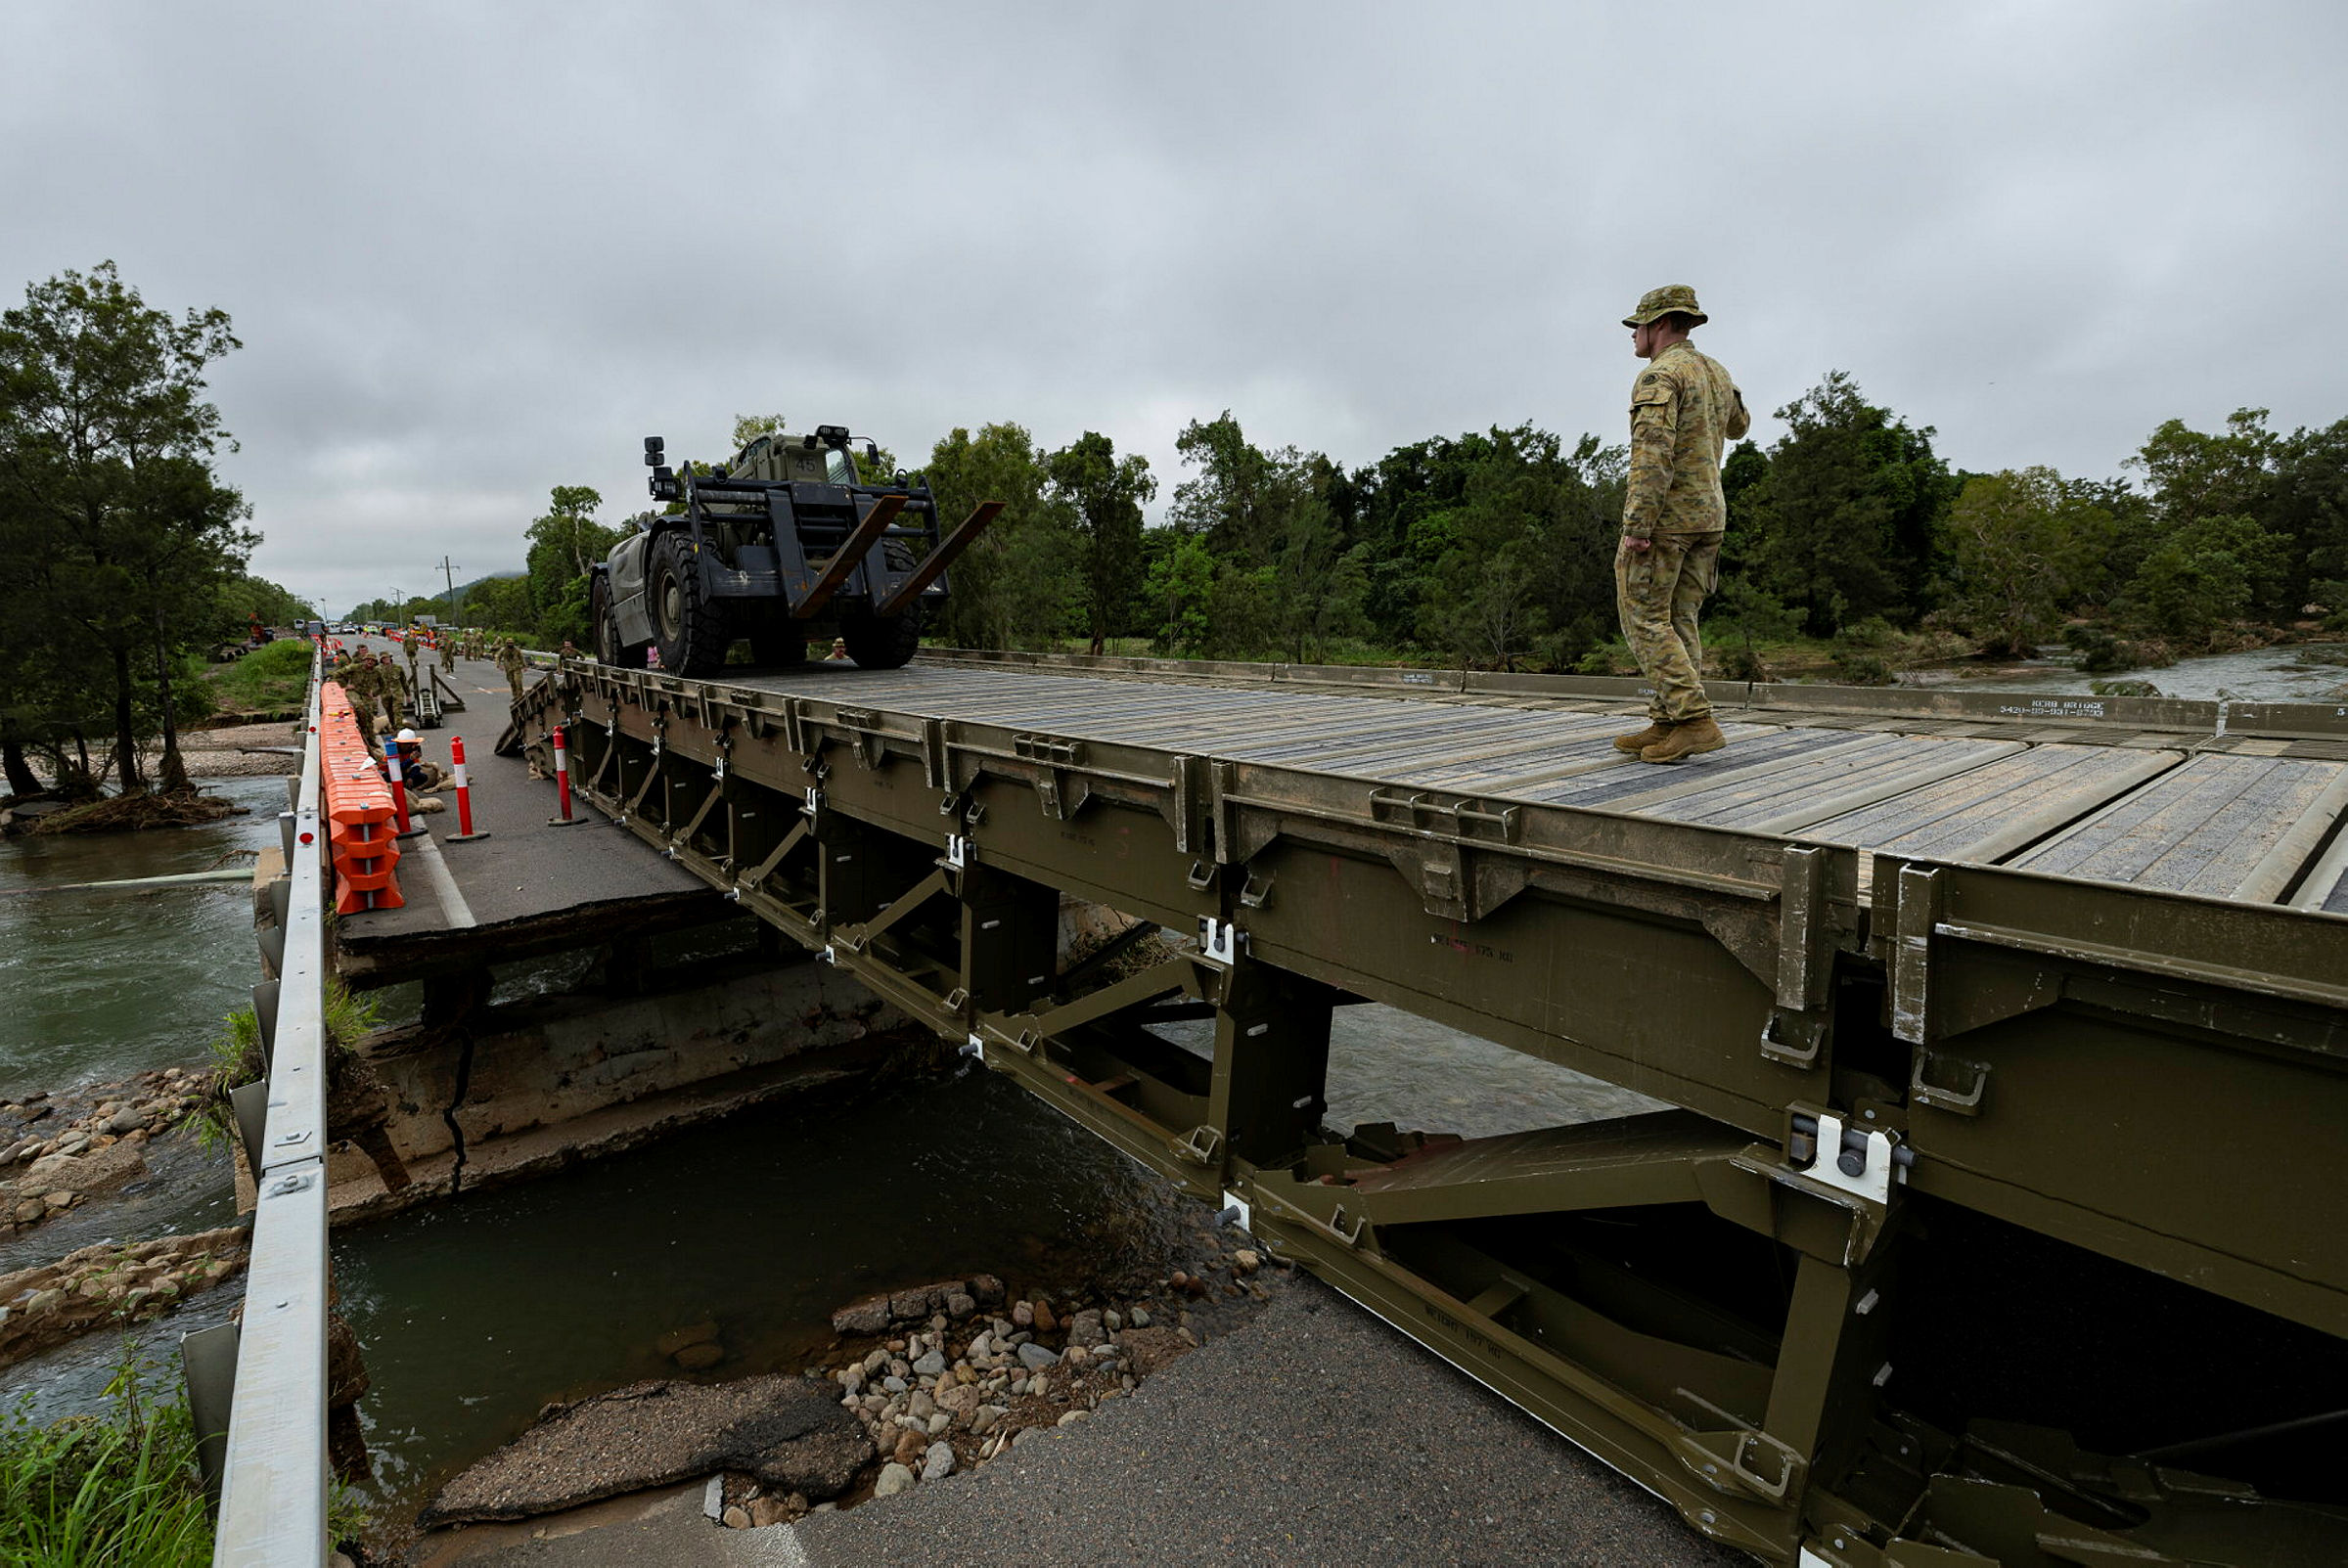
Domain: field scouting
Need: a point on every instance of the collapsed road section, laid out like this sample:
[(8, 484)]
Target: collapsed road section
[(1999, 1210)]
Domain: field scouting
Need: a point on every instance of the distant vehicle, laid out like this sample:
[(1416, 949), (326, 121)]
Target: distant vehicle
[(787, 543)]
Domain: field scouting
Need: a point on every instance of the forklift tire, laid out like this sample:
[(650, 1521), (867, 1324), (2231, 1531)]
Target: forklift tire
[(608, 648), (686, 626), (876, 643)]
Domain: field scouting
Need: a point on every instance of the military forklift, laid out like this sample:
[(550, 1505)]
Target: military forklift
[(790, 542)]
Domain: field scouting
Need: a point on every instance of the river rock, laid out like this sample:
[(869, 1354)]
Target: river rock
[(700, 1357), (931, 1363), (918, 1302), (985, 1418), (921, 1407), (784, 1430), (1036, 1357), (125, 1119), (910, 1446), (1138, 1318), (864, 1316), (1045, 1322), (939, 1462), (736, 1517), (894, 1478), (1086, 1329), (960, 1305), (987, 1290), (52, 1170)]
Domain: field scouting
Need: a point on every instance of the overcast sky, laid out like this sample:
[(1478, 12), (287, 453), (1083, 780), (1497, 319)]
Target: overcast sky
[(476, 251)]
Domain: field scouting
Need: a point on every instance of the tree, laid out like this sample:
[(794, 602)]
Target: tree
[(2204, 574), (2025, 546), (1017, 586), (2195, 475), (2309, 507), (1103, 495), (1849, 507), (106, 443), (564, 541), (1285, 577)]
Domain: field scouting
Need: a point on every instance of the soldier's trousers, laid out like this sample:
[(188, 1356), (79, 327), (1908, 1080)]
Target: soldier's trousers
[(1657, 593), (362, 713), (514, 680)]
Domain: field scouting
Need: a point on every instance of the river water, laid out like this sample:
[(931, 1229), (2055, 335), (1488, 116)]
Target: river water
[(477, 1312)]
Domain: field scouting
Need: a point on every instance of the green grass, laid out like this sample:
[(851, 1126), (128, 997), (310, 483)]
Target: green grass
[(118, 1487), (238, 1059), (269, 678)]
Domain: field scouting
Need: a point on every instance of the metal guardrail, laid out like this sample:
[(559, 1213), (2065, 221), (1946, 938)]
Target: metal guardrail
[(273, 1471)]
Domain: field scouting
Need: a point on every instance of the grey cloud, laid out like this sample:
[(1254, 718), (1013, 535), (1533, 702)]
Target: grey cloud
[(476, 251)]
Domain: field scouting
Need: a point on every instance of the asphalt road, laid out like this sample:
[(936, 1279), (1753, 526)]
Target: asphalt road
[(525, 868)]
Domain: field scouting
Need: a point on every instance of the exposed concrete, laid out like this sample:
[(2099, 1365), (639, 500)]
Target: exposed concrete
[(474, 1094), (553, 1060)]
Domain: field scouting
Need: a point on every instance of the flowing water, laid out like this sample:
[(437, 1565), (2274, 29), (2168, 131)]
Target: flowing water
[(2306, 672)]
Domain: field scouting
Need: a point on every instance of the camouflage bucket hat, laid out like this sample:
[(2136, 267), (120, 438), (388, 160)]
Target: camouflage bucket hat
[(1663, 301)]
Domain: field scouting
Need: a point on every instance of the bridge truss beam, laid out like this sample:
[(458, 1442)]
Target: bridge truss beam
[(1704, 1296)]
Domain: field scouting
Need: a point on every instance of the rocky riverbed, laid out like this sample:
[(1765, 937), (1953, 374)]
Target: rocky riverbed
[(60, 1151), (112, 1285), (921, 1382)]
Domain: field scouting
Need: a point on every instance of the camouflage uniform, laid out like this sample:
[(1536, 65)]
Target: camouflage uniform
[(509, 659), (448, 650), (389, 690), (1684, 410)]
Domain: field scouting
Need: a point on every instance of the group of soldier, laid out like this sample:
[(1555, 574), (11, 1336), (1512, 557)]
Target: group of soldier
[(378, 690)]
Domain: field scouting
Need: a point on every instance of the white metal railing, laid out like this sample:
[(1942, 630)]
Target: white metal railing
[(273, 1491)]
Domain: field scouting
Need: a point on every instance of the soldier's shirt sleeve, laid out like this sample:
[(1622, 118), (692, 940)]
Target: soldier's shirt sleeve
[(1740, 421), (1654, 432)]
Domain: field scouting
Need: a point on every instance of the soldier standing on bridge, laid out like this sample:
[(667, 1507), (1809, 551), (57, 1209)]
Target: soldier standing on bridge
[(509, 659), (389, 690), (1683, 412)]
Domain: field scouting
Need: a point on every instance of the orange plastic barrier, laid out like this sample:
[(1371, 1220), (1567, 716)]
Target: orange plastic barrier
[(359, 811)]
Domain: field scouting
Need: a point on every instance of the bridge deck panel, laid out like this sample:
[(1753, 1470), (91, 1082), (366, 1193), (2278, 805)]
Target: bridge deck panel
[(2108, 803), (1995, 810), (2220, 824)]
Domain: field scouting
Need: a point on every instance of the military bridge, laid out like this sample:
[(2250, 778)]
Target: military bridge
[(1998, 1206)]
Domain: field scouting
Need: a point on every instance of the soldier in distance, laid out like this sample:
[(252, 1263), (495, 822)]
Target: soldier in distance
[(510, 660), (1684, 410)]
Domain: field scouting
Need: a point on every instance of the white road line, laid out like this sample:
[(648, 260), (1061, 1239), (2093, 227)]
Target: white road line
[(444, 885)]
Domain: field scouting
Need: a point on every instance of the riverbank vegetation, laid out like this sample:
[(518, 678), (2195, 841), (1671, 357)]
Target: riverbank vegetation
[(1854, 548), (126, 553), (117, 1486)]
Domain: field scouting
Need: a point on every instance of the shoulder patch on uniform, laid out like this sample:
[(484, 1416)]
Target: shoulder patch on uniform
[(1653, 387)]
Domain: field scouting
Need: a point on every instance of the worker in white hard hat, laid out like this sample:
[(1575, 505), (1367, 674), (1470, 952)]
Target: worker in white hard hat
[(417, 773)]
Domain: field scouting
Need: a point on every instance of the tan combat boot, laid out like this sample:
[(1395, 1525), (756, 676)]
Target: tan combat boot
[(1692, 739), (1636, 743)]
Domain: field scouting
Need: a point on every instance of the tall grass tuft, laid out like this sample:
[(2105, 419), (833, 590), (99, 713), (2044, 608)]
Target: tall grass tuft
[(118, 1487)]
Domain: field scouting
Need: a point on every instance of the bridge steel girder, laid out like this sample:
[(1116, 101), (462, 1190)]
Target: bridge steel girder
[(1708, 969)]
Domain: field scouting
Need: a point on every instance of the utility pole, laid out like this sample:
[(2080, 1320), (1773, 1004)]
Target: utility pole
[(448, 575)]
